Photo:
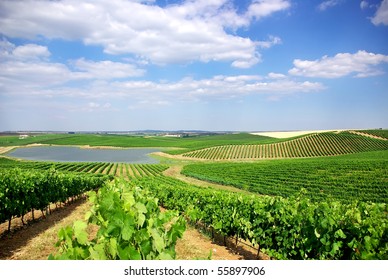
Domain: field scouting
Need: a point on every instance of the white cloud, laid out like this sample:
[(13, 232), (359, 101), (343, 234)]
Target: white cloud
[(273, 40), (276, 76), (33, 74), (181, 33), (328, 4), (23, 52), (105, 69), (28, 66), (53, 80), (364, 5), (381, 16), (262, 8), (31, 51), (362, 63), (217, 87)]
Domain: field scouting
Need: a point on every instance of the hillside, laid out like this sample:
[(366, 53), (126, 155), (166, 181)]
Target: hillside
[(312, 145)]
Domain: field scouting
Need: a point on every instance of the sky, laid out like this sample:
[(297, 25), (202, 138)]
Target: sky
[(250, 65)]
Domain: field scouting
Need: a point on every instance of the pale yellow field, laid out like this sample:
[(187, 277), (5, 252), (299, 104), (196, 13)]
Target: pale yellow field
[(288, 134)]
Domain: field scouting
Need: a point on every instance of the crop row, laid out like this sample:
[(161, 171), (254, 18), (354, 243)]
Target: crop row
[(130, 226), (293, 228), (314, 145), (340, 178), (124, 170), (22, 191)]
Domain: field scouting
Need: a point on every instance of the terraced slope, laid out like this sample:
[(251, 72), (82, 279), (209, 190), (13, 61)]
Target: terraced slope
[(313, 145)]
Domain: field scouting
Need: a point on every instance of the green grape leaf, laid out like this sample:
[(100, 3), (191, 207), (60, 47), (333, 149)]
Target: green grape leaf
[(127, 232), (141, 220), (79, 232), (158, 241)]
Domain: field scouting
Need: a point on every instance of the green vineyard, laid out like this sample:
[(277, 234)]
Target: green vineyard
[(130, 225), (324, 197), (293, 228), (354, 177), (124, 170), (22, 191), (313, 145)]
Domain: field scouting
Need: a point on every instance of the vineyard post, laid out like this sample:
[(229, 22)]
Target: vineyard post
[(9, 224), (258, 251)]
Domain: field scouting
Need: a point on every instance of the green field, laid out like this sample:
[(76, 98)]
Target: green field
[(361, 176), (185, 144), (318, 196), (313, 145), (123, 170)]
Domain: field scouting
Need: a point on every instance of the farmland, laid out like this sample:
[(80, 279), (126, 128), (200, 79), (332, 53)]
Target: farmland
[(316, 196), (102, 140), (362, 177), (320, 144)]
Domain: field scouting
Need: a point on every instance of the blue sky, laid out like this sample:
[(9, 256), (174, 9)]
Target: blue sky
[(251, 65)]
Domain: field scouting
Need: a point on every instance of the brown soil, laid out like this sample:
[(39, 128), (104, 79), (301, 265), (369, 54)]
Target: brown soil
[(36, 240)]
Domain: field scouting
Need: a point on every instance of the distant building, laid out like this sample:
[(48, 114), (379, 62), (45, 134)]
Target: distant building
[(23, 136)]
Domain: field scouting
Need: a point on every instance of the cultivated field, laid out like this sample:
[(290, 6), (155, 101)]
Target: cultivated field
[(320, 195)]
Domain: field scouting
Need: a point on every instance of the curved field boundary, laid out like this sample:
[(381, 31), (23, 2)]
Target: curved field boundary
[(313, 145), (4, 150)]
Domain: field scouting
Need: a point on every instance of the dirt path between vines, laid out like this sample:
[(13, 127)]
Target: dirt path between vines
[(367, 135), (36, 240), (175, 172)]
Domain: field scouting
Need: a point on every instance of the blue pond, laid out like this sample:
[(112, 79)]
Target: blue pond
[(76, 154)]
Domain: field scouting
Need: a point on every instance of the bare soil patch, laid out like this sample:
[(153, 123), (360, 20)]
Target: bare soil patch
[(4, 150), (288, 134), (36, 241)]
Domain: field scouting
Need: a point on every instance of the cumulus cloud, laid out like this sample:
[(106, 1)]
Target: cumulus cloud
[(107, 80), (180, 33), (262, 8), (29, 66), (362, 64), (381, 16), (31, 51), (23, 52)]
